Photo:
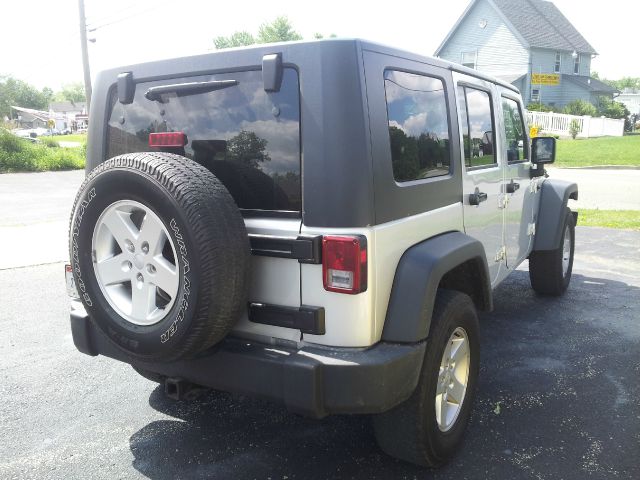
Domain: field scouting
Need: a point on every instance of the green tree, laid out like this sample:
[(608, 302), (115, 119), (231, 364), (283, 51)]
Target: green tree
[(238, 39), (21, 94), (612, 109), (280, 30), (71, 92), (580, 107), (247, 148)]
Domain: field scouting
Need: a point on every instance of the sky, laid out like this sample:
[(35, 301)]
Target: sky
[(41, 41)]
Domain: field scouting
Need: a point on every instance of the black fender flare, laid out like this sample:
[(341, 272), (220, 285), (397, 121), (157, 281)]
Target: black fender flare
[(418, 276), (555, 195)]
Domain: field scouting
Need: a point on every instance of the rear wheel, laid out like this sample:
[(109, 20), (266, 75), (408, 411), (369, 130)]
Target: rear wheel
[(428, 428), (550, 270)]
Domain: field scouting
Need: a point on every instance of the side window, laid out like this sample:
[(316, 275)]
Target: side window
[(478, 132), (514, 131), (418, 126)]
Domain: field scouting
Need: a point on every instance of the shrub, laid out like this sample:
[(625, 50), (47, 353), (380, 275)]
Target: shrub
[(20, 155), (580, 107), (541, 107), (574, 128)]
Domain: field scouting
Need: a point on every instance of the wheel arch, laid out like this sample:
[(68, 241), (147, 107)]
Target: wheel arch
[(555, 196), (452, 260)]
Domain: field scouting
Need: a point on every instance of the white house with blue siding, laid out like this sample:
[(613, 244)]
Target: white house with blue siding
[(530, 44)]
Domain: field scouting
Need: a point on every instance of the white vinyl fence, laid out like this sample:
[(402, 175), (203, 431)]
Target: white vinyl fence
[(559, 123)]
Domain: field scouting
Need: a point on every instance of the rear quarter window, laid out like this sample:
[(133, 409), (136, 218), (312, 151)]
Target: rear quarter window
[(418, 126), (248, 138)]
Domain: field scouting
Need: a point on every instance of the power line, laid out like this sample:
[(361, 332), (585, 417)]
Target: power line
[(93, 28)]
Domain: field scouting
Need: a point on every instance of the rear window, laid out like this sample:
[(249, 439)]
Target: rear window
[(248, 138)]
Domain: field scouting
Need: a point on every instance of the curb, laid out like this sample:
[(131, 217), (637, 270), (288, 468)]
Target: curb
[(598, 167)]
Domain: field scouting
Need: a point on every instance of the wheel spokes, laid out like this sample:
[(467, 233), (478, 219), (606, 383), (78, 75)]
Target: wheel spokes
[(165, 276), (114, 270), (152, 233), (143, 299), (121, 227), (456, 391)]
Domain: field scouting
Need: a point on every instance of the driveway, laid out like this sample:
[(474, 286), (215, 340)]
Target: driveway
[(557, 395), (604, 189), (34, 216)]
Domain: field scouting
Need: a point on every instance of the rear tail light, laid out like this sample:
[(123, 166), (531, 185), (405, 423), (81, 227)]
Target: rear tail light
[(344, 264), (167, 139)]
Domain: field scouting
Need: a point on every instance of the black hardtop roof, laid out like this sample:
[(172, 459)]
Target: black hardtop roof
[(238, 54)]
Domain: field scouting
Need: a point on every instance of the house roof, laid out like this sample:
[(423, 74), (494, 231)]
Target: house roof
[(40, 115), (64, 107), (538, 23), (591, 84), (543, 25)]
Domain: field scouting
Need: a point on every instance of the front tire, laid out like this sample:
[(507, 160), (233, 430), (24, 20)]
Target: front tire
[(550, 270), (428, 428)]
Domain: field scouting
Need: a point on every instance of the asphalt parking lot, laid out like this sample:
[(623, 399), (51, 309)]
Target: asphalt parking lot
[(557, 398)]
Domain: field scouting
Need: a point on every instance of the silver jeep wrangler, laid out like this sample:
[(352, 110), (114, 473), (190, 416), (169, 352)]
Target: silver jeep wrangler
[(315, 223)]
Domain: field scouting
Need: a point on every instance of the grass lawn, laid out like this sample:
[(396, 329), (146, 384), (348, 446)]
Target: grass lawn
[(80, 138), (629, 219), (598, 151)]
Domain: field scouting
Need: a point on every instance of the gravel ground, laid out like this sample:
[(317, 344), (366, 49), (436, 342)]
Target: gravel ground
[(557, 396)]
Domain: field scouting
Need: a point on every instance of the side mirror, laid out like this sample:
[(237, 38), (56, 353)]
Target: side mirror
[(543, 150)]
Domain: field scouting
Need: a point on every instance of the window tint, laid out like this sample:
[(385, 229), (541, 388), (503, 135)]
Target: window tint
[(479, 128), (418, 126), (514, 130), (248, 138)]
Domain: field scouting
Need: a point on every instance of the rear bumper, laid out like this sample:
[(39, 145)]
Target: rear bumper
[(311, 381)]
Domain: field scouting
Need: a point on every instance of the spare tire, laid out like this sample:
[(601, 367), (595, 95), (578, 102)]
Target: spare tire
[(160, 255)]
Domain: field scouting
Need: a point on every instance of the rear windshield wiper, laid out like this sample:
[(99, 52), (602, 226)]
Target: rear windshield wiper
[(183, 89)]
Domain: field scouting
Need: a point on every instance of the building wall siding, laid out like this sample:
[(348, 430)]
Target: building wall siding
[(544, 60), (499, 52)]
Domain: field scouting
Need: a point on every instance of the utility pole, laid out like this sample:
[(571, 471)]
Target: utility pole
[(85, 53)]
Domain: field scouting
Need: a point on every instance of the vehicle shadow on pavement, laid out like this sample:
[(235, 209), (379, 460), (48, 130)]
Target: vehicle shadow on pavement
[(556, 398)]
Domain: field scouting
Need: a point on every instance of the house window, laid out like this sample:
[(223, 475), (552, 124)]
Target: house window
[(535, 95), (556, 67), (469, 59), (576, 64)]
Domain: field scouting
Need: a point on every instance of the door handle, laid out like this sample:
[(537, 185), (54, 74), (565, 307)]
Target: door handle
[(477, 197), (512, 187)]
